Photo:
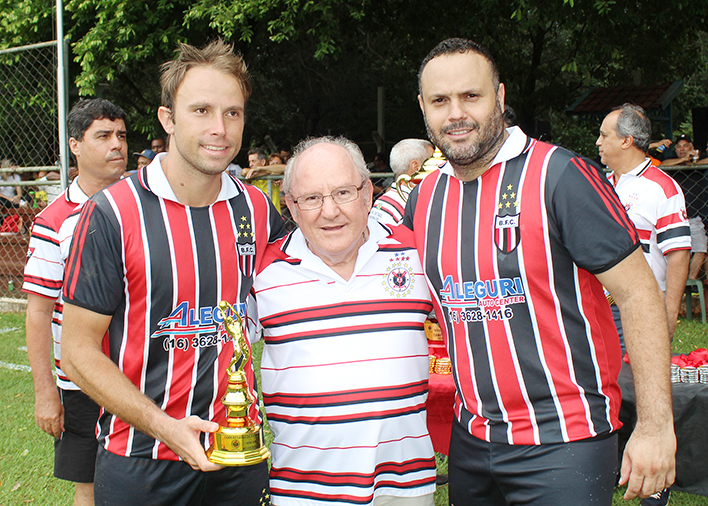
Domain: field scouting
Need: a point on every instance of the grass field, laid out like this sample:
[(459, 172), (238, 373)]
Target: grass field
[(27, 455)]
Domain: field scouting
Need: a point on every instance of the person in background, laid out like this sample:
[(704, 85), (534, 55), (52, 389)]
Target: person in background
[(97, 139), (693, 183), (144, 158), (655, 204), (257, 161), (10, 196), (158, 145), (407, 157)]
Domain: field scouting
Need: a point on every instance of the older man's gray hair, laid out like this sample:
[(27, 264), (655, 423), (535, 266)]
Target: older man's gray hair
[(633, 122), (353, 150), (407, 150)]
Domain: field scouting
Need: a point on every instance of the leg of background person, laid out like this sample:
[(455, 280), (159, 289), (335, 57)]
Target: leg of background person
[(697, 262), (83, 495)]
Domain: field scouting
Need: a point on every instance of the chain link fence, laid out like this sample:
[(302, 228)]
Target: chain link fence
[(29, 149)]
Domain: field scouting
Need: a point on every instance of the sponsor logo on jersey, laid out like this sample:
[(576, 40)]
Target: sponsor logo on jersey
[(399, 277), (481, 300), (184, 320)]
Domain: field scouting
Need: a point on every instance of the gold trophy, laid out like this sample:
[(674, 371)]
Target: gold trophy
[(429, 166), (239, 440)]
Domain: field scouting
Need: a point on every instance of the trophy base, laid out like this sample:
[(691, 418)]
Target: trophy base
[(238, 446)]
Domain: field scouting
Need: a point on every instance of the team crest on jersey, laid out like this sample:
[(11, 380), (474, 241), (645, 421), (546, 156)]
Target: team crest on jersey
[(245, 246), (399, 277), (507, 233)]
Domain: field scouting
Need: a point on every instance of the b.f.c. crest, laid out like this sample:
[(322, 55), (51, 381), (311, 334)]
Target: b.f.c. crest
[(507, 233)]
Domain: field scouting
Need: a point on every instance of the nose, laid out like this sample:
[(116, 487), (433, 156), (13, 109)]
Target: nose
[(118, 142), (218, 126), (457, 112), (329, 207), (598, 142)]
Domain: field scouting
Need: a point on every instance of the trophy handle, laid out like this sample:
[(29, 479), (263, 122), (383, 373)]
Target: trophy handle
[(406, 180)]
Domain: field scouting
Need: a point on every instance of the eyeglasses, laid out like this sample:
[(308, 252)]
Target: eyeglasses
[(341, 195)]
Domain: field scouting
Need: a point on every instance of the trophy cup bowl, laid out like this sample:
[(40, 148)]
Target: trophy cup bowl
[(411, 181), (238, 440)]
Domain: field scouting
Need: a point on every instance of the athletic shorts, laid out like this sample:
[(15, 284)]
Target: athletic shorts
[(132, 481), (497, 474), (699, 241), (75, 452)]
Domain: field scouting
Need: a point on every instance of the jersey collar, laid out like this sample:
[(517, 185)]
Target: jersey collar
[(157, 183), (75, 194), (296, 247)]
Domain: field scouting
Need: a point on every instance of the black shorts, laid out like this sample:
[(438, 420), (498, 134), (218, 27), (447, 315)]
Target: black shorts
[(497, 474), (75, 452), (132, 481)]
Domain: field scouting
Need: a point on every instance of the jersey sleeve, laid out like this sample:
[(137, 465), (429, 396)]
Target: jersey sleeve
[(44, 270), (673, 231), (592, 222), (94, 267)]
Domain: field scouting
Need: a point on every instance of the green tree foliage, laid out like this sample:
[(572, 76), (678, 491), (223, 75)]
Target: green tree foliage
[(316, 65)]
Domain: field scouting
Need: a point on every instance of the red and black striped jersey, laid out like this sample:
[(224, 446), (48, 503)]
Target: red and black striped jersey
[(510, 260), (160, 269)]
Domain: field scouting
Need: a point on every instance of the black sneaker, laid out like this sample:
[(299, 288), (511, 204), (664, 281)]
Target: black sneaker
[(658, 499)]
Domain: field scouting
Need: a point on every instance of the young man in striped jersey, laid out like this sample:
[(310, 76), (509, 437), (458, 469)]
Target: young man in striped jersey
[(97, 138), (152, 257), (517, 238), (342, 301)]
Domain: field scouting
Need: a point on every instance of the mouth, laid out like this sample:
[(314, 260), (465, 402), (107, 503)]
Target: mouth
[(459, 130), (217, 150)]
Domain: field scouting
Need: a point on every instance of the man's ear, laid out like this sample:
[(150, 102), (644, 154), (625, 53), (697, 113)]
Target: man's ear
[(165, 116), (74, 146)]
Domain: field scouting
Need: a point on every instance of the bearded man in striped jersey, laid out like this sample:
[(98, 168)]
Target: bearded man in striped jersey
[(516, 238)]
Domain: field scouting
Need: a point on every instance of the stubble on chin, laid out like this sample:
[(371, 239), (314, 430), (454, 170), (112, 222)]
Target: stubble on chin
[(472, 160)]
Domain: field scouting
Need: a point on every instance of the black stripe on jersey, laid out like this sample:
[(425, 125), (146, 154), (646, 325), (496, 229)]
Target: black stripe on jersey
[(521, 325), (353, 479), (343, 331), (335, 311), (646, 247), (207, 274), (348, 397), (672, 233), (322, 419)]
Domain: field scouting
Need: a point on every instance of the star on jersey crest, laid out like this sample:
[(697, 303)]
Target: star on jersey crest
[(509, 198)]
